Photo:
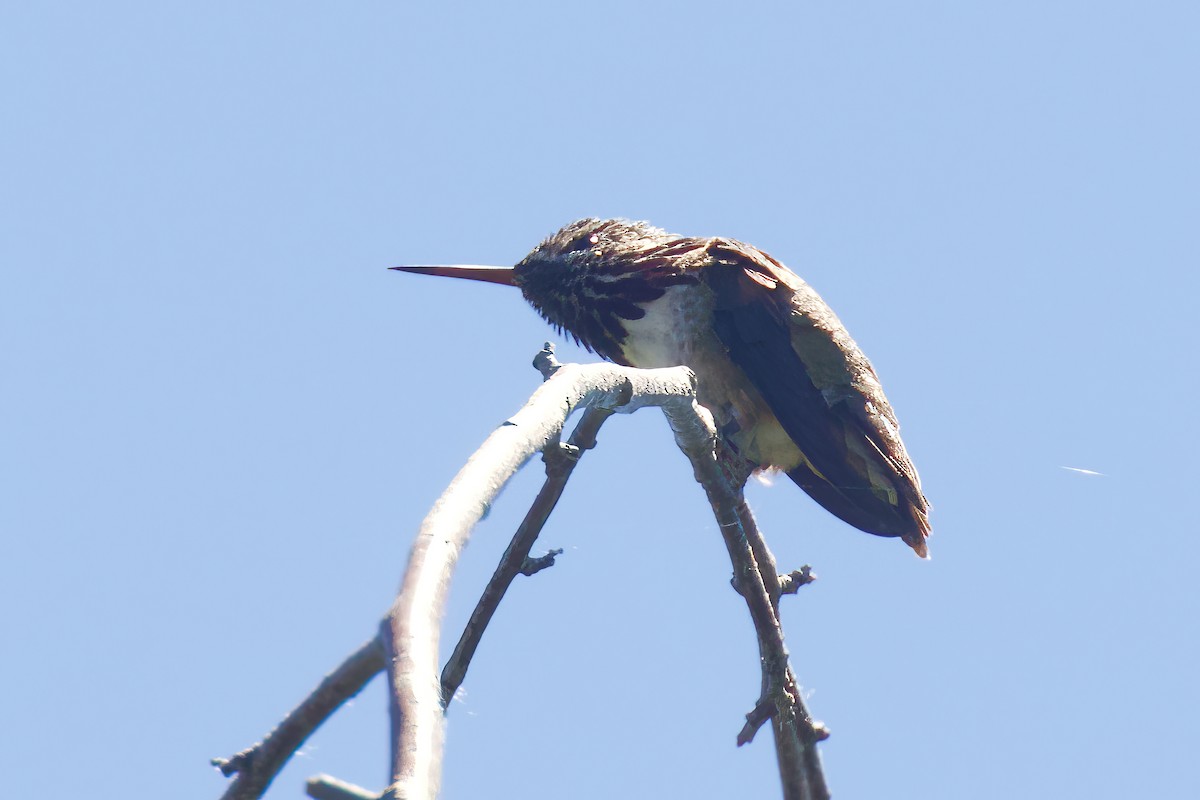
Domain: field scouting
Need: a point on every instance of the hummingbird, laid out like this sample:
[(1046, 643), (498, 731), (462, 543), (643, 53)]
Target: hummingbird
[(788, 388)]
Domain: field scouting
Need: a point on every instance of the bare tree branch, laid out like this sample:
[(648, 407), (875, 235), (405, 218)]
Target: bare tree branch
[(560, 463), (258, 765), (408, 638), (411, 630), (796, 734)]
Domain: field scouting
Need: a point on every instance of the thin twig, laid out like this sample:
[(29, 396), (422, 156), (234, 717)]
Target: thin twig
[(258, 765), (560, 463), (796, 732), (796, 737), (764, 559)]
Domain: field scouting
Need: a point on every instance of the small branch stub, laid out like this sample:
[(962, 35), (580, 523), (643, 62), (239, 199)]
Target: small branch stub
[(791, 583), (532, 566), (327, 787), (546, 362)]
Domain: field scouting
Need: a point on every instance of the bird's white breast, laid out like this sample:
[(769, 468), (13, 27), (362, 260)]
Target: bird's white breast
[(678, 329), (672, 330)]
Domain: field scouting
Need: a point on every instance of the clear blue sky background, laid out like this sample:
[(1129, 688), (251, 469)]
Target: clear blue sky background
[(223, 419)]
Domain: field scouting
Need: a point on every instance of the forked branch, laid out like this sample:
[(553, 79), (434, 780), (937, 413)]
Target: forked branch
[(408, 639), (411, 630), (560, 463)]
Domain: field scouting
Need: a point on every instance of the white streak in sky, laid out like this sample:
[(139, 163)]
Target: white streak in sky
[(1083, 471)]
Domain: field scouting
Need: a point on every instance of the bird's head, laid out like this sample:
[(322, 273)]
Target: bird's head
[(583, 279)]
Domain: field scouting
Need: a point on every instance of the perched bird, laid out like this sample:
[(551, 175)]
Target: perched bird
[(787, 386)]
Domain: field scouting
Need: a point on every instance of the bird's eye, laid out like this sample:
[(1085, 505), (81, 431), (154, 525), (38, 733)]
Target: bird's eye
[(578, 244)]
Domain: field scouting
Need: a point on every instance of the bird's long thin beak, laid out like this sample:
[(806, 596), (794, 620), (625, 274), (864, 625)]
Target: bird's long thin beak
[(471, 272)]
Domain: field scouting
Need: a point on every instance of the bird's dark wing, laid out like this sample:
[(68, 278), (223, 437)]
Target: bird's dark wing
[(822, 390)]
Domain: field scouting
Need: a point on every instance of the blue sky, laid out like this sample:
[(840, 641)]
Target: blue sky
[(223, 419)]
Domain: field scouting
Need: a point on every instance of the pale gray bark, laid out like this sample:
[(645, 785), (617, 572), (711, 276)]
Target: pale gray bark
[(407, 644)]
